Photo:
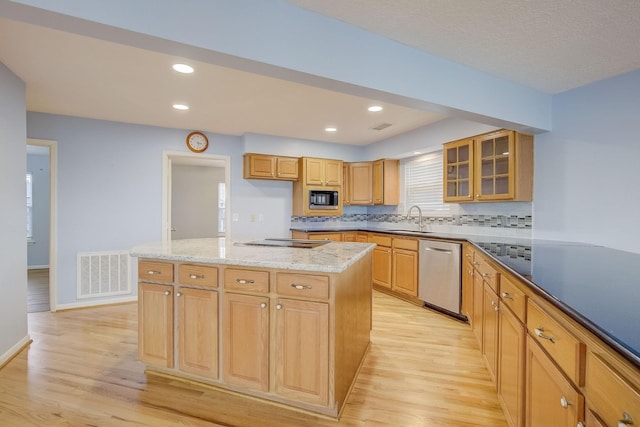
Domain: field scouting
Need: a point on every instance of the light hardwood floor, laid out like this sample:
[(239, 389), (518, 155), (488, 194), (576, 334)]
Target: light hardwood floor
[(38, 290), (423, 369)]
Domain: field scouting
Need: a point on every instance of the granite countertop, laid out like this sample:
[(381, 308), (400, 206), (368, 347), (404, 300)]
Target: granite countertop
[(330, 258), (599, 287)]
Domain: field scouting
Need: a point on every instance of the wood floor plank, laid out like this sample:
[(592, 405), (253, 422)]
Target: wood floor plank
[(423, 369)]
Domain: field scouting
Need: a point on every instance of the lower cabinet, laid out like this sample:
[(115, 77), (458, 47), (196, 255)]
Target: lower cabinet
[(155, 324), (198, 331), (490, 321), (302, 350), (478, 307), (511, 357), (466, 307), (551, 400), (381, 261), (246, 341)]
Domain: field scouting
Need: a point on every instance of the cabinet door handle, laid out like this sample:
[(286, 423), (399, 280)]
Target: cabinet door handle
[(564, 402), (540, 333), (278, 306), (167, 293), (625, 421), (245, 281), (301, 287), (263, 305), (196, 276), (506, 295), (178, 294)]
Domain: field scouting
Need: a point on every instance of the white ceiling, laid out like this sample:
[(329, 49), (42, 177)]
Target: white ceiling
[(550, 45)]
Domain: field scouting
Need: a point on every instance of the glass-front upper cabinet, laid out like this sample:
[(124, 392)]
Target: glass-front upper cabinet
[(458, 171), (496, 166)]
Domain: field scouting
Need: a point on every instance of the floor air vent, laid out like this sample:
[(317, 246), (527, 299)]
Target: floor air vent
[(103, 274)]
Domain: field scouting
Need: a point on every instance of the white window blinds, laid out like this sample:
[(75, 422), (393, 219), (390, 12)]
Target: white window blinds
[(423, 182)]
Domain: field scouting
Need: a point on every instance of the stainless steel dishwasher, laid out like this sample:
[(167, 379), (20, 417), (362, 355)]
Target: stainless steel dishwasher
[(439, 277)]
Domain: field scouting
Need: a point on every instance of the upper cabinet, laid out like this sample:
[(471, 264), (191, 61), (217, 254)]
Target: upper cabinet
[(386, 182), (265, 166), (322, 172), (360, 183), (497, 166)]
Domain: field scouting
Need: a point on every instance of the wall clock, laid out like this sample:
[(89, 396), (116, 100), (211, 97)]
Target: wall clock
[(197, 142)]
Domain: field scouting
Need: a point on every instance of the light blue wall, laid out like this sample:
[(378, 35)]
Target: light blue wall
[(38, 252), (13, 225), (586, 170)]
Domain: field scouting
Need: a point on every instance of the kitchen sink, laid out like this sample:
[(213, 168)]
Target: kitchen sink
[(407, 231)]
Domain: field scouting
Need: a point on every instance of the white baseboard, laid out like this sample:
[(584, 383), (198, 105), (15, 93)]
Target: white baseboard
[(37, 267), (85, 304), (13, 351)]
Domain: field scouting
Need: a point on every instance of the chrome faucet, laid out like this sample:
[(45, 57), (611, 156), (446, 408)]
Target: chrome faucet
[(419, 215)]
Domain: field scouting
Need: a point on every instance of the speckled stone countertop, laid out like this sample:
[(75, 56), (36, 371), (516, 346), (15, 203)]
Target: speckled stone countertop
[(330, 258)]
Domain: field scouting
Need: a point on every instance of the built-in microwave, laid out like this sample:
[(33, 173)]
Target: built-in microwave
[(324, 199)]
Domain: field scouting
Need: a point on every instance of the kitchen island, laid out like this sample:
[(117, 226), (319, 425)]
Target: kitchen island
[(289, 325)]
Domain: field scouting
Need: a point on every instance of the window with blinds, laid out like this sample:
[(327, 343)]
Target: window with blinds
[(423, 183)]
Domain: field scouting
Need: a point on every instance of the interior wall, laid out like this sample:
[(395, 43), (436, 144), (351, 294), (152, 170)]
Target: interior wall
[(38, 250), (13, 244), (194, 201), (586, 180)]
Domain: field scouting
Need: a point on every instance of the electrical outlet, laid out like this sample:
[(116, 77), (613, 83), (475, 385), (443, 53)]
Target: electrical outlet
[(234, 217)]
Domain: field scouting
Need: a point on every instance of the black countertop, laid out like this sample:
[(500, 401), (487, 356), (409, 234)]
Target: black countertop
[(599, 287)]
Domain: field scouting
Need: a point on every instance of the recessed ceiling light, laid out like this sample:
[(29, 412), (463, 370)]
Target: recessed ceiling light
[(180, 107), (183, 68), (417, 152), (375, 108), (330, 129)]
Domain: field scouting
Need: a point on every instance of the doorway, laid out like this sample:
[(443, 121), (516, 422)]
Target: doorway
[(42, 161), (195, 196)]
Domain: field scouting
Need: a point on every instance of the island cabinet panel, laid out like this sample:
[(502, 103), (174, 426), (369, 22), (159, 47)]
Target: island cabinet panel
[(302, 285), (155, 324), (198, 275), (511, 358), (236, 279), (198, 331), (302, 350), (246, 341), (155, 271)]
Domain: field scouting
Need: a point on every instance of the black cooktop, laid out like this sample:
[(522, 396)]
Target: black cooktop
[(286, 243)]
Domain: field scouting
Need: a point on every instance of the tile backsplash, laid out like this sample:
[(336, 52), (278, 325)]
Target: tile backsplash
[(498, 219)]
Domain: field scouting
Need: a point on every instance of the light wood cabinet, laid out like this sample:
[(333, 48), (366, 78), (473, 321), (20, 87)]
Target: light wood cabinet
[(551, 400), (155, 324), (302, 350), (386, 182), (478, 307), (322, 172), (346, 183), (360, 186), (246, 341), (511, 359), (198, 331), (496, 166), (466, 306), (490, 330), (404, 264), (265, 166), (382, 261)]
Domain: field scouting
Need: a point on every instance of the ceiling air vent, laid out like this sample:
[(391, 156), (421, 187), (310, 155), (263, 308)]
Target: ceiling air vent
[(381, 126)]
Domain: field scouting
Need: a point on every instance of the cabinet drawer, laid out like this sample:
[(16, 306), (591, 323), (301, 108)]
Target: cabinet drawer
[(609, 394), (155, 271), (380, 240), (302, 285), (488, 273), (198, 275), (565, 349), (513, 297), (246, 280), (408, 244)]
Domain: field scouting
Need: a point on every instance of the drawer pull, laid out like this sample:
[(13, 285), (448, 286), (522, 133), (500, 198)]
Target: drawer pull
[(486, 275), (152, 272), (301, 287), (245, 281), (564, 402), (625, 421), (196, 276), (540, 333), (506, 295)]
